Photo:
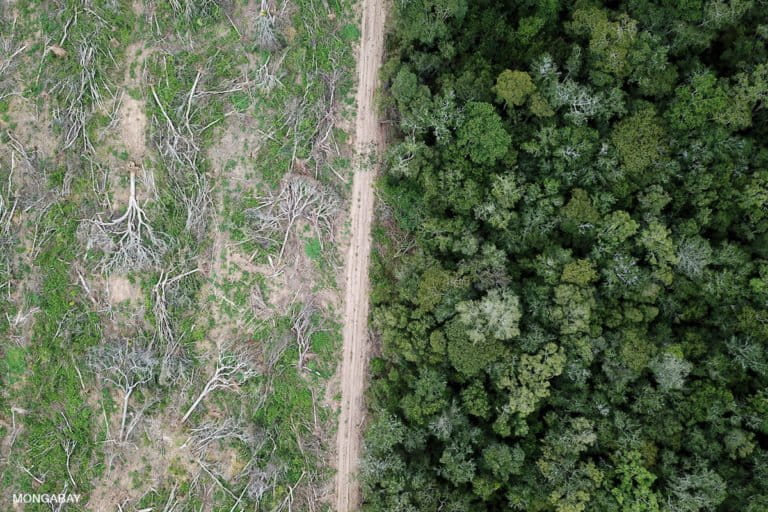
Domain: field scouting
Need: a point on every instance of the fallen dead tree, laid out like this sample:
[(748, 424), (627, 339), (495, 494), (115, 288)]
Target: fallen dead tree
[(176, 134), (27, 192), (325, 113), (127, 365), (209, 433), (10, 51), (8, 204), (197, 200), (175, 144), (321, 113), (33, 194), (261, 474), (129, 243), (265, 35), (298, 197), (82, 93), (81, 97), (234, 366), (190, 10), (303, 327), (174, 360)]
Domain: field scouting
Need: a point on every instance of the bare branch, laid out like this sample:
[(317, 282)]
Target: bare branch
[(127, 366), (233, 368), (298, 197), (174, 359), (303, 327), (205, 435)]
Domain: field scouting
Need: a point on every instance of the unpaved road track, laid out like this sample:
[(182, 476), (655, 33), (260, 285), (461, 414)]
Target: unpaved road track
[(368, 136)]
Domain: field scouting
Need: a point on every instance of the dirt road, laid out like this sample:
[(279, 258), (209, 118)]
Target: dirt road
[(368, 136)]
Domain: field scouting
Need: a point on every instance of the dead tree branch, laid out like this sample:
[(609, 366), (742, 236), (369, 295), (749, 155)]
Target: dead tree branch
[(303, 328), (298, 197), (10, 49), (127, 366), (174, 358), (207, 434), (233, 368)]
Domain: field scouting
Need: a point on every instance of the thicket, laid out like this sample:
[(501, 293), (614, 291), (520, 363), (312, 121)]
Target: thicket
[(571, 276)]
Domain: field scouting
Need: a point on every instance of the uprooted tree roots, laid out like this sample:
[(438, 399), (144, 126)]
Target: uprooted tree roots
[(128, 242)]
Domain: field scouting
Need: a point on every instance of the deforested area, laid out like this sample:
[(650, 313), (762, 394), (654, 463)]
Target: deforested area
[(570, 270), (174, 177)]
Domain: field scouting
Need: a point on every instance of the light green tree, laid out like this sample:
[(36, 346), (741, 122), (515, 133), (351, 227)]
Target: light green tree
[(514, 87)]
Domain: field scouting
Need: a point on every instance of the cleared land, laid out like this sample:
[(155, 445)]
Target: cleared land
[(174, 178)]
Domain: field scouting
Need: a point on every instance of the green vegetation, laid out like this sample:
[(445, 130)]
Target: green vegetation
[(571, 298)]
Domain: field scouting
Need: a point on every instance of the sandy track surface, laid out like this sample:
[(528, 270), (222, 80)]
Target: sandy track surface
[(368, 136)]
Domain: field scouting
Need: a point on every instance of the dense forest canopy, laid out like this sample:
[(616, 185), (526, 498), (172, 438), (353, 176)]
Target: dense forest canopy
[(572, 294)]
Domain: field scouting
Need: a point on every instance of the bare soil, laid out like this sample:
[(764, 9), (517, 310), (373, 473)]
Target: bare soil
[(120, 289), (133, 119)]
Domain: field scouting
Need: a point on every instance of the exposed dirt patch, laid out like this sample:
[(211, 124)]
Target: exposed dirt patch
[(133, 118), (133, 124), (33, 126), (120, 289)]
